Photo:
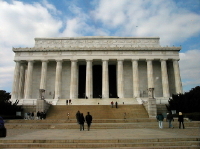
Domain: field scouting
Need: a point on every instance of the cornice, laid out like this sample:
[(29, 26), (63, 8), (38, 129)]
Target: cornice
[(56, 49)]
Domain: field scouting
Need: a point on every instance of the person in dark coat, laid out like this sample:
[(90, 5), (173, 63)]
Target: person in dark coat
[(38, 115), (77, 116), (170, 119), (116, 104), (181, 120), (88, 119), (1, 122), (81, 121), (160, 119)]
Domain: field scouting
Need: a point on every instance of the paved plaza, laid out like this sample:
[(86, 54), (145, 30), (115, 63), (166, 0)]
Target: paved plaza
[(76, 134)]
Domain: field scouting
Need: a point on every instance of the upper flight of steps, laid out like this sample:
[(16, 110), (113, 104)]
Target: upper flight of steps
[(98, 111), (96, 101)]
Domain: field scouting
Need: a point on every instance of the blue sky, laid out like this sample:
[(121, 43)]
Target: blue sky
[(176, 22)]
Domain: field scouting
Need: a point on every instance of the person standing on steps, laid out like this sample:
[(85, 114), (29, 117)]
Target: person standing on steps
[(77, 116), (88, 119), (170, 119), (81, 121), (160, 119), (112, 104), (116, 104), (181, 120)]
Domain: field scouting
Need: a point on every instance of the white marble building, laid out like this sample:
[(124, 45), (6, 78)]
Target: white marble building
[(79, 67)]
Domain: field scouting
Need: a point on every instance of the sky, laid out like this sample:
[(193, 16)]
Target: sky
[(176, 22)]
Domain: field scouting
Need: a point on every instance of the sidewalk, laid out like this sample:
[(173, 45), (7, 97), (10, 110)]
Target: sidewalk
[(76, 134)]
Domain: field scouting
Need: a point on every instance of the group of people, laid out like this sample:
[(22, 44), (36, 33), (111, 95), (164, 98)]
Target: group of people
[(112, 103), (170, 118), (81, 120), (31, 115)]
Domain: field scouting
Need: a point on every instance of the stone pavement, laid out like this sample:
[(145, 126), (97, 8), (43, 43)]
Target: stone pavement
[(75, 134)]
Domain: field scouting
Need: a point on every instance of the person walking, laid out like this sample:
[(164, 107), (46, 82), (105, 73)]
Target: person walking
[(81, 121), (160, 119), (77, 116), (181, 120), (88, 119), (116, 104), (170, 119), (112, 104), (68, 115)]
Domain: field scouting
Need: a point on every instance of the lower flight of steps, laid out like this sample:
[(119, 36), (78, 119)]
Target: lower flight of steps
[(164, 143), (98, 111)]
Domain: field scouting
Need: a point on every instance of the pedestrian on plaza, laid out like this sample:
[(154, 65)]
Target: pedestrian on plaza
[(1, 122), (42, 115), (69, 101), (66, 102), (77, 116), (170, 119), (38, 115), (160, 119), (68, 115), (32, 115), (112, 104), (81, 121), (116, 104), (28, 115), (88, 119), (181, 120)]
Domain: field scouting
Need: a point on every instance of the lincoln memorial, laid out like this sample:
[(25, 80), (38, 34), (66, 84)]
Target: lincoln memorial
[(94, 67)]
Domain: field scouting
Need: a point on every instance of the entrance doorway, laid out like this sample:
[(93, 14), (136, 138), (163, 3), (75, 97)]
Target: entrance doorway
[(112, 81), (97, 81), (81, 81)]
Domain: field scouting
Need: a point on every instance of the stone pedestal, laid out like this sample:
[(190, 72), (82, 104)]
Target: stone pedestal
[(152, 109)]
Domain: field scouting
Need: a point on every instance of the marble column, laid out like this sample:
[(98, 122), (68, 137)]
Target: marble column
[(58, 79), (29, 80), (16, 80), (165, 82), (177, 76), (150, 73), (136, 92), (120, 79), (105, 80), (21, 82), (43, 75), (74, 80), (89, 86)]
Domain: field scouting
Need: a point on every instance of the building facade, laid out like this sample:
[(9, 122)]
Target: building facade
[(96, 67)]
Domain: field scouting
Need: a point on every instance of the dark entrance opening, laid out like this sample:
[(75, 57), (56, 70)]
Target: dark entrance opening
[(97, 81), (81, 81), (112, 81)]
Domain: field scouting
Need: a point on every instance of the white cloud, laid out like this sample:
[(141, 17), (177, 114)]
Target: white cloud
[(190, 68), (148, 18), (19, 24)]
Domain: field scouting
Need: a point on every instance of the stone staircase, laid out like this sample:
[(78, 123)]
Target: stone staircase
[(106, 119), (97, 101), (98, 111), (168, 143)]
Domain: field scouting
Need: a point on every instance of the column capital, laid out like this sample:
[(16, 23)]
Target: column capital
[(105, 59), (73, 60), (59, 60), (135, 59), (163, 59), (45, 61), (175, 59), (149, 59), (89, 60), (120, 59)]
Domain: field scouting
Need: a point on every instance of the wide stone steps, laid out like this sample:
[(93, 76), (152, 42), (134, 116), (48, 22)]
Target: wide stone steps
[(97, 124), (111, 143), (98, 111)]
